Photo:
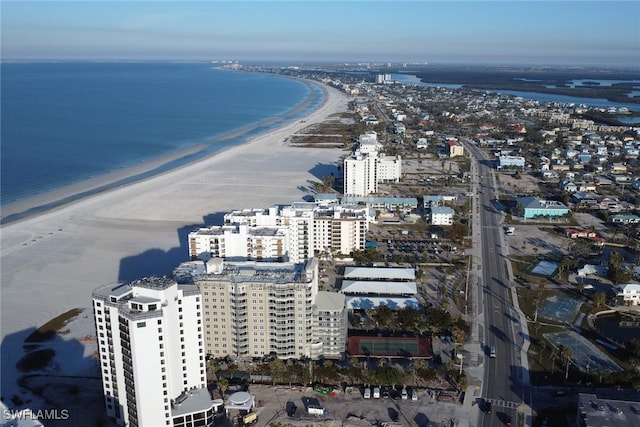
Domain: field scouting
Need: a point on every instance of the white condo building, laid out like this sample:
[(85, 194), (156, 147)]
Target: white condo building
[(364, 171), (254, 309), (151, 353), (441, 215), (365, 168), (292, 233)]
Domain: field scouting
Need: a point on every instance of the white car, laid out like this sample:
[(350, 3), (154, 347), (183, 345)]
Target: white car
[(414, 395), (404, 394)]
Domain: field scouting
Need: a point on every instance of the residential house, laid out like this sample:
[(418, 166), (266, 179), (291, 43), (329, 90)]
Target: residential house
[(628, 294)]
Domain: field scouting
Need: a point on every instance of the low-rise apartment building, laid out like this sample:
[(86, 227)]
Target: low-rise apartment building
[(441, 215)]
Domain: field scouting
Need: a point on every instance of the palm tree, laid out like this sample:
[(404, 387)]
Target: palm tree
[(458, 336), (543, 347), (223, 386), (554, 355), (566, 354)]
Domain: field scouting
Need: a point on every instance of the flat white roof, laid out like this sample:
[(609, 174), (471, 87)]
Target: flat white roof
[(378, 287), (365, 303), (330, 301), (382, 273)]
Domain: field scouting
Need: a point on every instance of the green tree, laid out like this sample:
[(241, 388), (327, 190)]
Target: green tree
[(278, 369), (223, 386), (408, 318), (383, 316), (616, 272), (599, 299)]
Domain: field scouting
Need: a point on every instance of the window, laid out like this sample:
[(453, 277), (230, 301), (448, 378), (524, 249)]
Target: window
[(141, 324)]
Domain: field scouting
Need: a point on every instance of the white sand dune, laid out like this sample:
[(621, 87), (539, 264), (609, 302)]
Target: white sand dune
[(50, 263)]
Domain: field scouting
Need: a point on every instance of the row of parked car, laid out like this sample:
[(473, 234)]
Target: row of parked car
[(388, 392)]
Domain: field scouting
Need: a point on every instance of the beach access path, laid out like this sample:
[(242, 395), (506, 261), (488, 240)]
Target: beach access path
[(51, 263)]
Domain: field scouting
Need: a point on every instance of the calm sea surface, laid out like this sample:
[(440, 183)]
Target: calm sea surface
[(64, 123)]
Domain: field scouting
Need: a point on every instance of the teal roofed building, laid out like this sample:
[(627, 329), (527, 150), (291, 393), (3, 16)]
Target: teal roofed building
[(381, 202), (625, 218), (533, 207), (326, 197)]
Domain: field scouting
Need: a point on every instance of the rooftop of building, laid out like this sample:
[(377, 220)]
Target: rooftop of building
[(380, 200), (380, 273), (330, 301), (239, 272), (220, 230), (442, 210), (123, 292), (191, 401), (532, 202), (370, 287), (607, 412), (630, 287)]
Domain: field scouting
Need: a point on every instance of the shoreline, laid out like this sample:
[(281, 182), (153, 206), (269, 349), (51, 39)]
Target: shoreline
[(52, 261), (41, 203)]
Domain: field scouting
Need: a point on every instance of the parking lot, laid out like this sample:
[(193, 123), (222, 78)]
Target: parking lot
[(349, 408)]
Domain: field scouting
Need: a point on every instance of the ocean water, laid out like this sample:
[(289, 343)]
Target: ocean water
[(65, 123)]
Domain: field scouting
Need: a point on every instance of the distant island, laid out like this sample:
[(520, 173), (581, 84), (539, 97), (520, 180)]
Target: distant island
[(537, 79)]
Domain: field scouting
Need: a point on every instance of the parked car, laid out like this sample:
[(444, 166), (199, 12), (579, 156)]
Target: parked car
[(404, 393), (291, 409)]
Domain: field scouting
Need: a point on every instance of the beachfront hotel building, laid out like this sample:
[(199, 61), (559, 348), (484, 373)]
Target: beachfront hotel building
[(366, 168), (364, 171), (254, 309), (151, 353), (292, 233)]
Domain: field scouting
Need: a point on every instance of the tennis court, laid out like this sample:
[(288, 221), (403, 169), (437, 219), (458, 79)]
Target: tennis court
[(390, 346), (585, 355), (559, 308)]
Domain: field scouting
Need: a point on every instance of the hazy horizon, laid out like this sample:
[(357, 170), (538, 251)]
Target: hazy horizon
[(540, 33)]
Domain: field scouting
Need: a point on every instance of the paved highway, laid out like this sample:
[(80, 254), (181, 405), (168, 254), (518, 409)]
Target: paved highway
[(503, 375)]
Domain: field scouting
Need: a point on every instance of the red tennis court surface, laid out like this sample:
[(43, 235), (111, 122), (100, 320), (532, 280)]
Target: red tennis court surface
[(390, 346)]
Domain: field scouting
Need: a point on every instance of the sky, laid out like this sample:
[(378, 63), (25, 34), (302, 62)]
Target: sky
[(605, 33)]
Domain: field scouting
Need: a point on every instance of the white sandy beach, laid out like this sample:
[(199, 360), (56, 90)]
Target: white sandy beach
[(50, 263)]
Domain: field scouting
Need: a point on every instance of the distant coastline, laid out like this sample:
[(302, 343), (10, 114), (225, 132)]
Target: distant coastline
[(540, 80)]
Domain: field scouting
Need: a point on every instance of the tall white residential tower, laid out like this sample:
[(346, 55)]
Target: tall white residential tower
[(151, 353)]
